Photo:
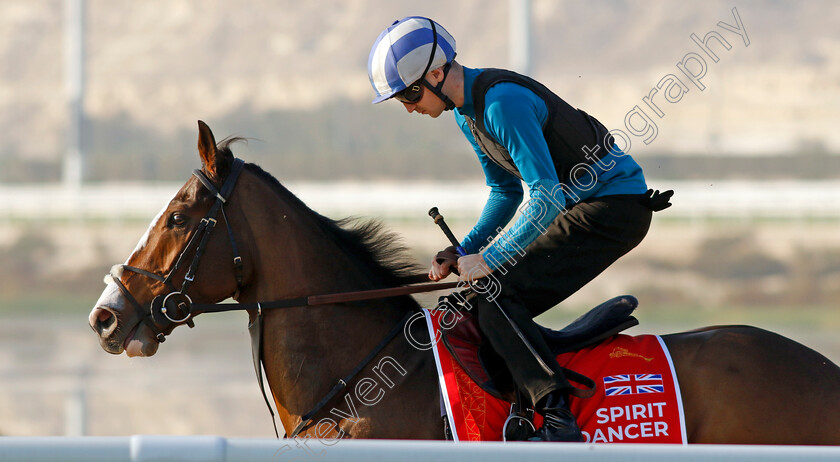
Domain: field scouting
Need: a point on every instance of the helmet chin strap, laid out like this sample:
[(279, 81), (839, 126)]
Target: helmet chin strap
[(438, 89)]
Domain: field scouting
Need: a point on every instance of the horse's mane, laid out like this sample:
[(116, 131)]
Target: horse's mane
[(379, 252)]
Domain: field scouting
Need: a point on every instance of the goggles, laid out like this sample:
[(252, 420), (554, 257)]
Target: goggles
[(412, 93)]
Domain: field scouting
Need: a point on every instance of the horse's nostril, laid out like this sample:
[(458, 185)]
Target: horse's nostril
[(103, 322), (104, 315)]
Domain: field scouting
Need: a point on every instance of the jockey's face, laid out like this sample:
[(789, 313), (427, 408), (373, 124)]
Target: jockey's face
[(429, 104)]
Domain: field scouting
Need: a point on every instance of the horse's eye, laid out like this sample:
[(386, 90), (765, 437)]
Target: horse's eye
[(177, 219)]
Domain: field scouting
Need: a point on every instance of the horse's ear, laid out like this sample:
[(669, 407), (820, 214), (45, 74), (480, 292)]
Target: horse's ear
[(216, 162), (207, 148)]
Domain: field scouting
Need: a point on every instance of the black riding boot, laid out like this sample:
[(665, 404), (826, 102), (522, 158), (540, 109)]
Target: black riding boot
[(558, 422)]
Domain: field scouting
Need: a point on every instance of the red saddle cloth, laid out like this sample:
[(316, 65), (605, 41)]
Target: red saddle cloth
[(637, 397)]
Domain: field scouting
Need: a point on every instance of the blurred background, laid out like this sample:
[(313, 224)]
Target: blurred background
[(98, 107)]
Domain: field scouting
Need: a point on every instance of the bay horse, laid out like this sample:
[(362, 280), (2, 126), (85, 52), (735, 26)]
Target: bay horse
[(739, 384)]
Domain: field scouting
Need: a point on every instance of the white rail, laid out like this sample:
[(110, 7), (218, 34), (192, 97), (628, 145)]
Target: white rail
[(217, 449), (693, 199)]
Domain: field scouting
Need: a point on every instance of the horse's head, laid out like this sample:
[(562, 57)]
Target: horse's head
[(153, 291)]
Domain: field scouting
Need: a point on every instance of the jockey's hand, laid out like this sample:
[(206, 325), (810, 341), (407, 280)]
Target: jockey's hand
[(440, 269), (473, 267), (445, 262)]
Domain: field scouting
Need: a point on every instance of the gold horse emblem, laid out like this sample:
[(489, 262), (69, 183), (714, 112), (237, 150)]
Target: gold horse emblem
[(621, 352)]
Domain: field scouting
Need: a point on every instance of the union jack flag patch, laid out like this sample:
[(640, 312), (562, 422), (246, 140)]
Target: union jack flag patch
[(633, 384)]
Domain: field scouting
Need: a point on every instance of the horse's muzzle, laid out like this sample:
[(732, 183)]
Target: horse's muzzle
[(107, 319)]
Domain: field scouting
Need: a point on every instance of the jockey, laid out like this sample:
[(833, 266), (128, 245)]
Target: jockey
[(588, 202)]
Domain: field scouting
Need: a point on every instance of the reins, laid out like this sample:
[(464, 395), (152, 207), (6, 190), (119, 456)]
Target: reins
[(326, 299)]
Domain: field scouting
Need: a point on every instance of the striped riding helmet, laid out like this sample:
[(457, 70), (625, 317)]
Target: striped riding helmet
[(405, 52)]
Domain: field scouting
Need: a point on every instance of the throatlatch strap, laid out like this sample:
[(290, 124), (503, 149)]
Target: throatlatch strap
[(237, 259)]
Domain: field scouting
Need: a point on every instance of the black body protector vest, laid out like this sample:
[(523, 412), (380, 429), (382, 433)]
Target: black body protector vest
[(567, 130)]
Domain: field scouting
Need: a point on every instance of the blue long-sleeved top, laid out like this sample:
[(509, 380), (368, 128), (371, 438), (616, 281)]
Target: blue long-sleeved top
[(515, 116)]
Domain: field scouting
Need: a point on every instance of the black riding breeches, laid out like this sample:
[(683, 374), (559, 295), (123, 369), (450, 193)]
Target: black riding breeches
[(576, 248)]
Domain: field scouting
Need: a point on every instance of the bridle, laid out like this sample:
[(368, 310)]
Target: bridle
[(176, 306)]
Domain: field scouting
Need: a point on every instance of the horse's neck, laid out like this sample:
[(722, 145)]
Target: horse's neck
[(292, 256), (306, 349), (295, 258)]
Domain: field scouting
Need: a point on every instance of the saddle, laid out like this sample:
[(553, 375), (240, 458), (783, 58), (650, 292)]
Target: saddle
[(486, 368)]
